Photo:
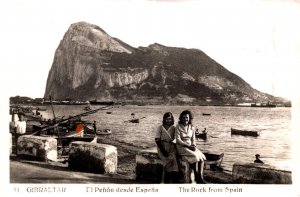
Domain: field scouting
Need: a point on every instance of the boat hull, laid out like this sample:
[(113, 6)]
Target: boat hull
[(103, 132), (201, 136), (214, 160), (134, 121), (244, 132)]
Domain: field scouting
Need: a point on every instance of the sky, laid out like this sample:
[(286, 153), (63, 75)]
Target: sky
[(259, 40)]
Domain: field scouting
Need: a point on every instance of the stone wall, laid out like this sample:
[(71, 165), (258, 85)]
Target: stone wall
[(93, 157), (37, 147), (253, 173), (148, 166)]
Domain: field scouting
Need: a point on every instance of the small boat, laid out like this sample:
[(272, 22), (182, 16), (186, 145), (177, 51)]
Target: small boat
[(201, 135), (136, 120), (108, 112), (244, 132), (66, 140), (214, 160), (74, 134), (32, 117), (206, 114), (87, 108), (90, 130), (103, 132), (96, 102)]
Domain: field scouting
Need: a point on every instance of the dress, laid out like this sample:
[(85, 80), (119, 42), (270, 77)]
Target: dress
[(20, 130), (186, 135), (21, 127), (167, 138)]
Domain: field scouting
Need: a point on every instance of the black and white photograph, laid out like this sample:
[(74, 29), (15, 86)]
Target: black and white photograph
[(150, 97)]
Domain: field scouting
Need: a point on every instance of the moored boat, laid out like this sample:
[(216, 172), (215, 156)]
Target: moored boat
[(244, 132), (87, 108), (136, 120), (65, 141), (95, 102), (214, 160), (65, 126), (201, 135), (33, 117), (133, 119), (88, 129), (103, 132), (64, 136)]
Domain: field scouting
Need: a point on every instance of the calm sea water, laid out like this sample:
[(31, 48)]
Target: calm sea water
[(274, 124)]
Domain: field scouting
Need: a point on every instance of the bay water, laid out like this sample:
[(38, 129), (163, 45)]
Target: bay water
[(274, 125)]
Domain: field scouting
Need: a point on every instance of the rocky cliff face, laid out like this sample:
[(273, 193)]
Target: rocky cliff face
[(89, 64)]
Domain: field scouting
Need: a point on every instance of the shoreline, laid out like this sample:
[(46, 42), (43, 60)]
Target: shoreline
[(49, 172)]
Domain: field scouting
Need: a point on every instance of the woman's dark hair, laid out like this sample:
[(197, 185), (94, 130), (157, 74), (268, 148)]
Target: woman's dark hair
[(166, 115), (184, 113)]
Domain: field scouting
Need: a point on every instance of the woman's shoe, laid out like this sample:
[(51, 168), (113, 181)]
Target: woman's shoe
[(202, 181), (199, 179)]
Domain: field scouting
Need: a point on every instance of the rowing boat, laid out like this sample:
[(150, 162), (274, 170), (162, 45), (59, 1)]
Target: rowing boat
[(201, 135), (134, 120), (244, 132), (87, 108), (64, 142), (214, 160), (89, 130), (65, 138), (103, 132)]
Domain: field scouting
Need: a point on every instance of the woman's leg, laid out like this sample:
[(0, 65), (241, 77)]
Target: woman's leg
[(174, 177), (167, 178), (200, 174), (193, 166), (163, 177)]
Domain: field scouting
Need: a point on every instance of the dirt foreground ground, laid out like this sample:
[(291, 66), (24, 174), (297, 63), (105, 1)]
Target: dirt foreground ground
[(26, 171)]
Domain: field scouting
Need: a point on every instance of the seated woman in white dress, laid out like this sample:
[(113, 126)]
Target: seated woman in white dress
[(186, 146), (165, 140), (20, 127)]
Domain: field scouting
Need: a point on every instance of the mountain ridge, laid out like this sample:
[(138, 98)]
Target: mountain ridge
[(89, 64)]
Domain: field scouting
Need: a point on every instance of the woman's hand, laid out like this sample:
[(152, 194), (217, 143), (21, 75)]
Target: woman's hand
[(192, 147)]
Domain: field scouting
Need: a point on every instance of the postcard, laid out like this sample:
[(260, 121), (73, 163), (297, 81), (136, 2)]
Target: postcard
[(150, 97)]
